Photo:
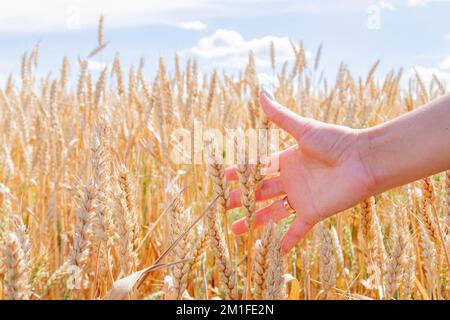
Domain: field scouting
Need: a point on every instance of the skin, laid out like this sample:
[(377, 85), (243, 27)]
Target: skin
[(333, 168)]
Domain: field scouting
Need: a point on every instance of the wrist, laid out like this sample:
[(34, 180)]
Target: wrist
[(384, 155), (367, 140)]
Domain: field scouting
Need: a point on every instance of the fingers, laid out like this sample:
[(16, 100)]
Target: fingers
[(231, 173), (296, 231), (284, 118), (275, 212), (272, 167), (269, 189)]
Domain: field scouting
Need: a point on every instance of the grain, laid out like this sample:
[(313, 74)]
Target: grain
[(82, 236), (427, 199), (262, 262), (16, 273), (216, 235), (179, 221), (396, 265), (86, 179), (273, 275), (327, 260)]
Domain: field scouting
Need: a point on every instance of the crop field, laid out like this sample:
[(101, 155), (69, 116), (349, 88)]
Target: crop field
[(98, 202)]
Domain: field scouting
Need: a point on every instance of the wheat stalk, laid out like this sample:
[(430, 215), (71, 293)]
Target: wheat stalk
[(327, 260), (396, 265), (16, 275), (117, 139), (179, 219), (273, 275), (261, 260), (82, 234)]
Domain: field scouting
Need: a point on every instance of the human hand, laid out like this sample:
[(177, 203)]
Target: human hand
[(322, 175)]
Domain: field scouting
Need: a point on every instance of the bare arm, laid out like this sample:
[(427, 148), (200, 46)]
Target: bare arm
[(335, 167), (409, 147)]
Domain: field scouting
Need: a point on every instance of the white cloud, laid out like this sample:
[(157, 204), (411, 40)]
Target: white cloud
[(447, 36), (445, 65), (428, 56), (28, 16), (63, 15), (192, 25), (228, 48), (418, 3), (266, 79), (387, 5), (96, 65), (3, 80), (426, 73), (423, 3), (441, 71)]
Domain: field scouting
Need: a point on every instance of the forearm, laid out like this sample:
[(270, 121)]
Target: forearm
[(409, 147)]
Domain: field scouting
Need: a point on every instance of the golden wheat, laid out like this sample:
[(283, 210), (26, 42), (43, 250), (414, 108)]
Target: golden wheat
[(91, 200)]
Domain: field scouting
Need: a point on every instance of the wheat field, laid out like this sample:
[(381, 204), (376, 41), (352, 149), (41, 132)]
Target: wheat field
[(93, 207)]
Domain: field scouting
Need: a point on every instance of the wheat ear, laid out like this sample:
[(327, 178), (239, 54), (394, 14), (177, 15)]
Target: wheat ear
[(198, 253), (429, 257), (263, 136), (218, 242), (125, 231), (273, 277), (130, 222), (427, 199), (396, 265), (409, 276), (261, 261), (16, 275), (327, 264), (337, 248), (179, 220), (248, 204), (81, 237), (447, 199), (371, 232), (222, 257)]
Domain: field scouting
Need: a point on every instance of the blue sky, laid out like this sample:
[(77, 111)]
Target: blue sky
[(413, 34)]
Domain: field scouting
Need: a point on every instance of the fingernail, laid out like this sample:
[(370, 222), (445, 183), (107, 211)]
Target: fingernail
[(267, 93), (285, 248), (237, 228)]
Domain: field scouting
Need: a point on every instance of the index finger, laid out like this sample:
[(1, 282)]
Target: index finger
[(272, 167)]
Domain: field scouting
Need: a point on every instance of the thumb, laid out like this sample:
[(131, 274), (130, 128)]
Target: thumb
[(294, 234), (284, 118)]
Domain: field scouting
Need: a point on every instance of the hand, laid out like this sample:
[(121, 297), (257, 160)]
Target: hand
[(322, 175)]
